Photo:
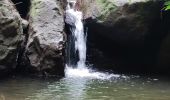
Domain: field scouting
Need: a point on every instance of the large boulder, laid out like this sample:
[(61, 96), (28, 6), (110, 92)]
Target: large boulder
[(10, 36), (130, 32), (127, 24), (44, 50)]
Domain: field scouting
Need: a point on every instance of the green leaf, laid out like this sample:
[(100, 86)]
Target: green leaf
[(167, 7)]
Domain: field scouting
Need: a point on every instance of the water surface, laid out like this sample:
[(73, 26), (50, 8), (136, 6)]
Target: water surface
[(85, 88)]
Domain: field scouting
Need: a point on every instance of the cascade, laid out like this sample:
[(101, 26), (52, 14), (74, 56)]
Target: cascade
[(78, 36), (76, 46)]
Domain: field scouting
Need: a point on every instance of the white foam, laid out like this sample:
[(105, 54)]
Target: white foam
[(88, 73)]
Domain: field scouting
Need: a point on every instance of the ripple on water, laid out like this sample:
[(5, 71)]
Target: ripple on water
[(85, 88)]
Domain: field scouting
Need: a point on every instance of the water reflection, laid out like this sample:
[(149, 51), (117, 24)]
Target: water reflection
[(65, 89), (85, 88)]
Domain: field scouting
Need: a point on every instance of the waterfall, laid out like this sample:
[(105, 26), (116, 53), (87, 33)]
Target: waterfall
[(75, 19), (76, 46)]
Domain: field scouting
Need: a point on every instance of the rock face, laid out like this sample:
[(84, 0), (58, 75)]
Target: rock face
[(10, 36), (44, 50), (130, 32), (164, 50)]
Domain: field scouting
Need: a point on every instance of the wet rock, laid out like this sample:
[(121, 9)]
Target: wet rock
[(44, 50), (10, 36), (130, 32)]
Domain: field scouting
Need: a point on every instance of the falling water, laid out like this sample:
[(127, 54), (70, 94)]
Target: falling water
[(77, 32), (77, 45)]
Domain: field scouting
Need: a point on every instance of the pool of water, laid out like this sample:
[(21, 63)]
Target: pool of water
[(85, 88)]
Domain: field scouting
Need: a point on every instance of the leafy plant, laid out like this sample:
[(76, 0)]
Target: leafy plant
[(167, 5)]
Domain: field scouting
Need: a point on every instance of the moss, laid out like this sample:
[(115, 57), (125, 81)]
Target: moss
[(34, 5), (106, 8)]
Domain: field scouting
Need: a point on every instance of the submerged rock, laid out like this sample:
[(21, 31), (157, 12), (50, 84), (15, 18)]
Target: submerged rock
[(10, 36), (44, 50)]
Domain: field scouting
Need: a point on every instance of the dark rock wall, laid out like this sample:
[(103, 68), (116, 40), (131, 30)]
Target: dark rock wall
[(164, 50), (131, 35)]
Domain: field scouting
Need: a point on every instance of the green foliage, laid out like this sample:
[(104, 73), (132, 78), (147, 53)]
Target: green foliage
[(107, 7), (167, 5)]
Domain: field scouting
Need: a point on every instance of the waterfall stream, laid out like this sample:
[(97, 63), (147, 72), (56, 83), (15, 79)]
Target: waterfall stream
[(77, 46), (79, 36)]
